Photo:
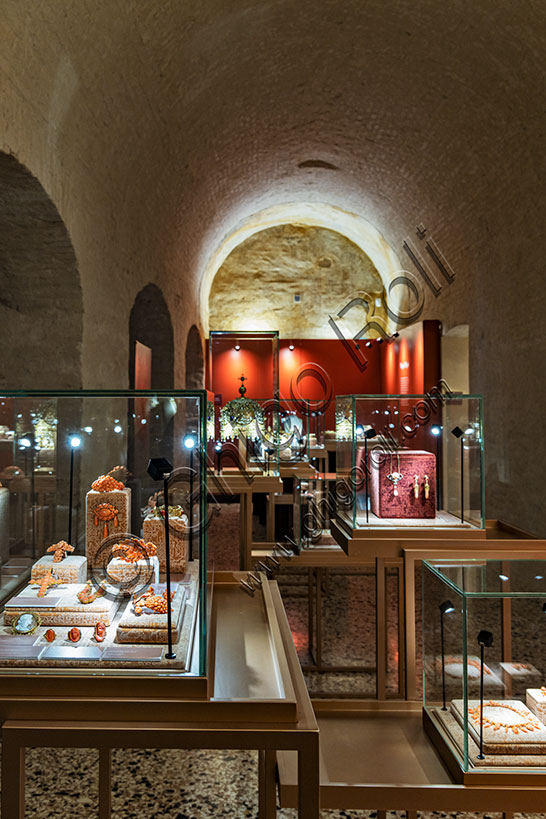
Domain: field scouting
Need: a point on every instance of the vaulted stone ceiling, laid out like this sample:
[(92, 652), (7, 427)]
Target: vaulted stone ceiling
[(156, 128)]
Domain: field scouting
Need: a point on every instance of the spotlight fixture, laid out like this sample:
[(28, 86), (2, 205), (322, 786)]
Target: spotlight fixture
[(117, 428), (189, 441), (436, 429), (368, 344), (218, 446), (395, 335), (237, 347), (370, 433), (24, 443), (380, 341), (485, 638), (290, 346), (75, 441), (160, 469), (446, 607)]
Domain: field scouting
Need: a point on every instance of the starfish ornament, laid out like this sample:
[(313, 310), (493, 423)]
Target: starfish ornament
[(45, 582)]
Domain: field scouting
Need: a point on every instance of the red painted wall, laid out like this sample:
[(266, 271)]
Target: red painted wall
[(318, 368)]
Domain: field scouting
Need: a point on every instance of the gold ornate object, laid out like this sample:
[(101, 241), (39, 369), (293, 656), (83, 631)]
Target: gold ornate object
[(395, 477), (104, 513), (87, 595), (60, 550), (527, 725), (26, 623), (427, 487), (107, 483), (416, 486), (45, 582)]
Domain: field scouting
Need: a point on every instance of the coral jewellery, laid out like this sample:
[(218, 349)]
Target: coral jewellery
[(149, 600), (86, 595), (45, 582), (74, 635), (100, 632), (133, 551), (60, 550), (105, 512), (526, 725), (106, 483)]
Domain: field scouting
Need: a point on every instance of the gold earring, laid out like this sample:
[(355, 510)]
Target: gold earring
[(427, 487), (416, 485)]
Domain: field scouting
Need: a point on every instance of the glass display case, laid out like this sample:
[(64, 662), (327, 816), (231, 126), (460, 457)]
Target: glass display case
[(484, 663), (410, 461), (98, 573)]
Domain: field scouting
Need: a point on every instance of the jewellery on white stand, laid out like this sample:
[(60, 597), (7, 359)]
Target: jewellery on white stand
[(395, 477)]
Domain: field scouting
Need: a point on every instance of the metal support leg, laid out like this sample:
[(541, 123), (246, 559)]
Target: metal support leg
[(267, 785), (381, 629), (13, 779), (318, 600), (309, 780), (105, 783)]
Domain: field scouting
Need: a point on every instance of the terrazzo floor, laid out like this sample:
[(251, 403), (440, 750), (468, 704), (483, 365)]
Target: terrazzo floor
[(168, 784)]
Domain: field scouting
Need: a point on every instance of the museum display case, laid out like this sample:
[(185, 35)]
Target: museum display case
[(484, 663), (410, 461), (102, 532)]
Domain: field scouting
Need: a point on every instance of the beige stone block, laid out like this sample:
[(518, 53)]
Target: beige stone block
[(65, 608), (96, 530), (153, 529), (535, 699), (73, 569), (130, 576), (151, 627)]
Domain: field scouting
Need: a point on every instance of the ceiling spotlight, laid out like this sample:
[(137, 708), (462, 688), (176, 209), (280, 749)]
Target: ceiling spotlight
[(380, 341), (395, 335), (368, 344), (290, 346), (237, 347)]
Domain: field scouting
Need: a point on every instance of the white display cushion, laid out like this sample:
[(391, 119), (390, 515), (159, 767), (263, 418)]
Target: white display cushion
[(520, 670), (454, 669), (520, 733), (64, 610), (153, 529), (535, 699), (72, 569), (132, 575), (151, 627), (120, 499)]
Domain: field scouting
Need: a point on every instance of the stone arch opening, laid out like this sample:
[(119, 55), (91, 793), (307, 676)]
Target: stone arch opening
[(195, 361), (150, 325), (41, 307), (350, 226), (293, 278)]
